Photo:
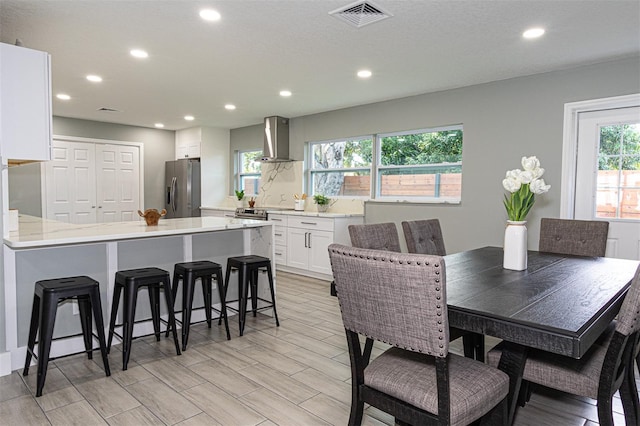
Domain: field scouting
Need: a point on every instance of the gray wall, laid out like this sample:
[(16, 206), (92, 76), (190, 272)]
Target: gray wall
[(159, 146), (25, 188), (3, 314), (503, 121)]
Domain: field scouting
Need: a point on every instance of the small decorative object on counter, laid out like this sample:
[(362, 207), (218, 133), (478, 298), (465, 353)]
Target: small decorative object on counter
[(240, 198), (299, 201), (523, 185), (252, 202), (322, 202), (151, 216)]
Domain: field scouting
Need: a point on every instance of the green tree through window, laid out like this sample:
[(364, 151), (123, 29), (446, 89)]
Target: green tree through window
[(428, 159)]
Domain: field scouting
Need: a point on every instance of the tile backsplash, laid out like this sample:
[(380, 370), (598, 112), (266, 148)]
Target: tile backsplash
[(280, 181)]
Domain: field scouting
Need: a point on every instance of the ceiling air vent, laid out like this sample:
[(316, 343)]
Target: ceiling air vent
[(361, 13), (105, 109)]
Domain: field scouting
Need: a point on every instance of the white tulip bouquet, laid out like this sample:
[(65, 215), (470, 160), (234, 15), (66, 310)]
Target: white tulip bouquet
[(523, 186)]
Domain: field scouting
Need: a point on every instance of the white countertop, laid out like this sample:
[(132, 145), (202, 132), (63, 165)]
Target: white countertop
[(291, 212), (226, 209), (37, 232), (314, 214)]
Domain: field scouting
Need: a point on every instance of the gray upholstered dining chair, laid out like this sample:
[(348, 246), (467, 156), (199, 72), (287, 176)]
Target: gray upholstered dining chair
[(375, 236), (424, 236), (417, 380), (606, 367), (574, 237)]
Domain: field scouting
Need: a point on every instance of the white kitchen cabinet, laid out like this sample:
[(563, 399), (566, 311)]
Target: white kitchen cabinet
[(279, 238), (308, 239), (307, 242), (187, 149), (25, 103), (319, 242), (298, 256)]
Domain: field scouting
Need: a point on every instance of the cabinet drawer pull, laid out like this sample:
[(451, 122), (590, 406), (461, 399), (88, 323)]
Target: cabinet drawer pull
[(278, 254), (278, 235), (276, 220), (309, 223)]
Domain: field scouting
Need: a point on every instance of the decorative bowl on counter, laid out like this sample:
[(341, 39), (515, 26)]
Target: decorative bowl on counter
[(151, 216)]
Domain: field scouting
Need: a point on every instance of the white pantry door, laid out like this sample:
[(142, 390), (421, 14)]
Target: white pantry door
[(607, 185), (70, 183), (118, 182)]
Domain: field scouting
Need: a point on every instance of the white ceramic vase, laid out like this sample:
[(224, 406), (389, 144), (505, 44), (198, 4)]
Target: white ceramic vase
[(515, 245), (239, 203)]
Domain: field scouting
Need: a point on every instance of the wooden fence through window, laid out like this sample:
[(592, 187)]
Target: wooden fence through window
[(447, 185), (607, 203)]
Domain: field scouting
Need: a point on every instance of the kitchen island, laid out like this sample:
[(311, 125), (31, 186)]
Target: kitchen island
[(43, 249)]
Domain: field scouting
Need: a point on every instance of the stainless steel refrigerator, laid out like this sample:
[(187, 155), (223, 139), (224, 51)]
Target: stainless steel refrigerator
[(182, 188)]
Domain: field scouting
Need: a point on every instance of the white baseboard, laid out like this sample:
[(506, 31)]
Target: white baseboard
[(5, 364)]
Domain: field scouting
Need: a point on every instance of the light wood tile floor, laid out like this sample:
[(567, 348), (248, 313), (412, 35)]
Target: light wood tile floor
[(296, 374)]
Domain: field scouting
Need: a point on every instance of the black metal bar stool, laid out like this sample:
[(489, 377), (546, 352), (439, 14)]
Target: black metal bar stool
[(189, 272), (248, 268), (48, 294), (131, 280)]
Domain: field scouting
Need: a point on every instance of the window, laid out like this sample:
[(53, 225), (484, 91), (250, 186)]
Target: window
[(618, 192), (249, 168), (419, 165), (341, 168)]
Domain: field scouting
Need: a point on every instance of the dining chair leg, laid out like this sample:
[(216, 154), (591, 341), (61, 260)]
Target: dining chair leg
[(605, 412), (629, 397), (497, 416)]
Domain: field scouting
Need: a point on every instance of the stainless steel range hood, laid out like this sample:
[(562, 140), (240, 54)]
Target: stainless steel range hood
[(276, 139)]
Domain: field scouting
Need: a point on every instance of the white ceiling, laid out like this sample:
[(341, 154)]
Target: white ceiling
[(261, 47)]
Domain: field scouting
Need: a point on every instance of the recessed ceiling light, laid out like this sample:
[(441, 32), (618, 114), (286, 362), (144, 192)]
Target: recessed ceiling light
[(285, 93), (230, 107), (210, 15), (139, 53), (63, 96), (364, 73), (533, 33), (94, 78), (159, 125), (189, 117)]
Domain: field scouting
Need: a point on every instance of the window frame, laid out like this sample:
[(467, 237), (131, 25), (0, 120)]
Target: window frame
[(404, 198), (376, 168), (239, 174), (311, 170)]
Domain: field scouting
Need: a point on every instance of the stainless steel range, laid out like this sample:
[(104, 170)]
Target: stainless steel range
[(256, 213), (251, 213)]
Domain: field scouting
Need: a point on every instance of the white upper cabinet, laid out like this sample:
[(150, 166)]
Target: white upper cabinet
[(25, 104), (188, 143), (188, 150)]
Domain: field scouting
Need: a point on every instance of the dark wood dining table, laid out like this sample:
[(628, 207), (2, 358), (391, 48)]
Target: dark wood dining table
[(560, 303)]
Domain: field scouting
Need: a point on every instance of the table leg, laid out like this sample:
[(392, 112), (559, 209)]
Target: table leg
[(512, 362)]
